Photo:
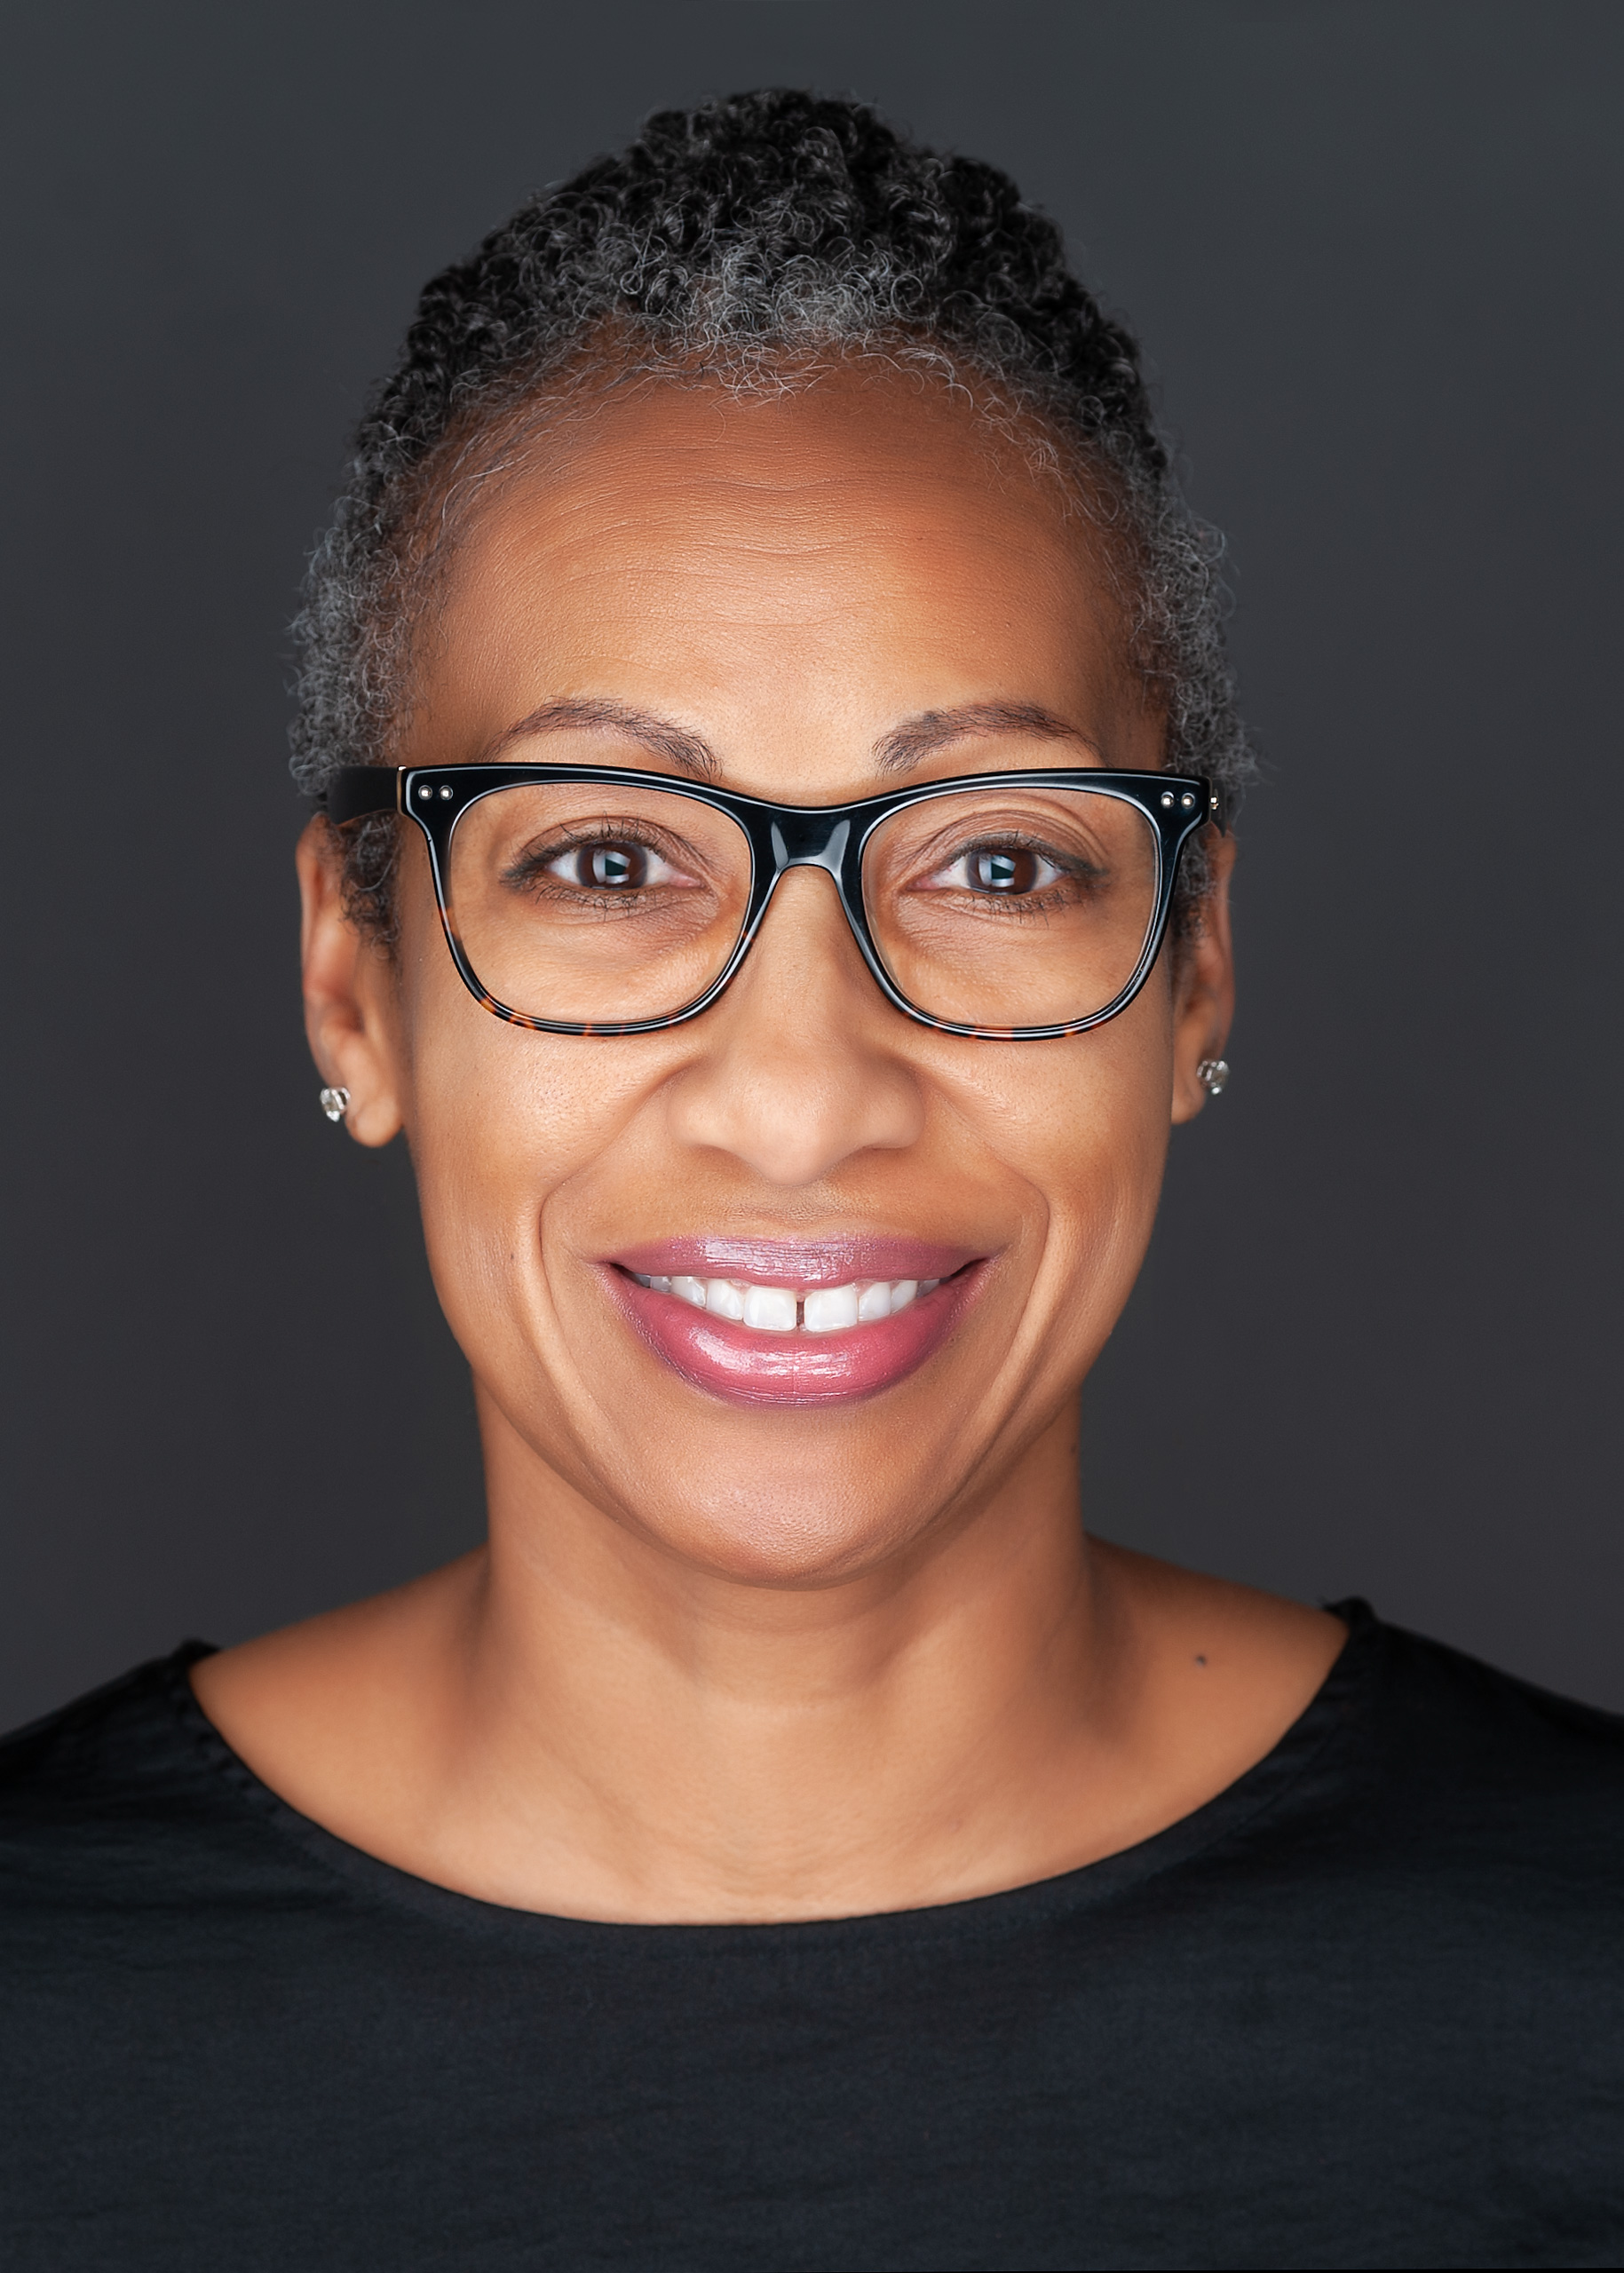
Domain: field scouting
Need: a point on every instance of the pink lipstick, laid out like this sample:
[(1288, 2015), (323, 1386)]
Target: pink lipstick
[(794, 1323)]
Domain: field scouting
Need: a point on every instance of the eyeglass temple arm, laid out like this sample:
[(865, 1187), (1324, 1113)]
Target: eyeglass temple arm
[(355, 790)]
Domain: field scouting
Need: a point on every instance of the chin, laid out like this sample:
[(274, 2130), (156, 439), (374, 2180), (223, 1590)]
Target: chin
[(800, 1541)]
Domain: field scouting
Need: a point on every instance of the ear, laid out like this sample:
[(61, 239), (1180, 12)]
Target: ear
[(1204, 987), (351, 1014)]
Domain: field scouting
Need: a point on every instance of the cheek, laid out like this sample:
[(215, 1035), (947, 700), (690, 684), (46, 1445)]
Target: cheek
[(499, 1120), (1086, 1130), (503, 1121)]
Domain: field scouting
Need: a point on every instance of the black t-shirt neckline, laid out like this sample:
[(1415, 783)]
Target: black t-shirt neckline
[(1307, 1746)]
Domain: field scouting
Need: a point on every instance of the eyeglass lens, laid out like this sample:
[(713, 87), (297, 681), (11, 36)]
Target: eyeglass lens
[(1009, 907)]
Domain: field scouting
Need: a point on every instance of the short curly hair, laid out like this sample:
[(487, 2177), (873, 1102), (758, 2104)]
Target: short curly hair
[(746, 239)]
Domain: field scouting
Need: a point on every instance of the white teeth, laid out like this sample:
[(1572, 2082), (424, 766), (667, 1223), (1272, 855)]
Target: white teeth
[(771, 1308), (779, 1309), (827, 1309)]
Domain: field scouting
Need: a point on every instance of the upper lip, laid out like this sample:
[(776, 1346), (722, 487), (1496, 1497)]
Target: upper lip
[(832, 1262)]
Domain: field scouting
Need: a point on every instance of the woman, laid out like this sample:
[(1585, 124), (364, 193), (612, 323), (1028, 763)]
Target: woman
[(773, 745)]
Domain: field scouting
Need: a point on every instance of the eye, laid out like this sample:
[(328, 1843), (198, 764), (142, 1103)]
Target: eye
[(611, 865), (1004, 870)]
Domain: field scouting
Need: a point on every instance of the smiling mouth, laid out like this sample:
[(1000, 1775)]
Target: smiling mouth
[(790, 1310), (788, 1323)]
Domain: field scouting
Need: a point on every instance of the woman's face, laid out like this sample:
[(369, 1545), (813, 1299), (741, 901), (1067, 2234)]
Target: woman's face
[(829, 593)]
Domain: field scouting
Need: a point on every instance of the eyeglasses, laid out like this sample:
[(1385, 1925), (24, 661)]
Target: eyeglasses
[(596, 900)]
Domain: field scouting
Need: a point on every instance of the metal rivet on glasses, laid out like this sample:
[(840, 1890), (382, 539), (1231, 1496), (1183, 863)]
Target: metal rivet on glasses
[(445, 788), (424, 789), (1167, 798), (1186, 800)]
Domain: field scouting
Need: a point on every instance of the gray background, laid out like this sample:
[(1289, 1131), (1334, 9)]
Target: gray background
[(1373, 254)]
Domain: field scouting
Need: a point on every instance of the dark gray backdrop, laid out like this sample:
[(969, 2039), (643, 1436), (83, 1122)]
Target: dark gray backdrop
[(1374, 253)]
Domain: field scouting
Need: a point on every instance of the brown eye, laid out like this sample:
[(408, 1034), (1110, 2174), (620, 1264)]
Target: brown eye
[(999, 871), (610, 867), (1002, 871), (615, 864)]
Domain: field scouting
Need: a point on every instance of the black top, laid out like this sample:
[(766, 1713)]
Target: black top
[(1366, 2008)]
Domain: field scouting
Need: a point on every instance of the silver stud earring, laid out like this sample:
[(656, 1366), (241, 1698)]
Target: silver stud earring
[(1212, 1074), (335, 1103)]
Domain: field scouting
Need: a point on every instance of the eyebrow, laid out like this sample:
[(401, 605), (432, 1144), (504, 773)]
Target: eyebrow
[(933, 730), (659, 736), (895, 752)]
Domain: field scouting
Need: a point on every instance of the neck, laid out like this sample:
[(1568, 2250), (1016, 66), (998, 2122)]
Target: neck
[(675, 1742), (576, 1721)]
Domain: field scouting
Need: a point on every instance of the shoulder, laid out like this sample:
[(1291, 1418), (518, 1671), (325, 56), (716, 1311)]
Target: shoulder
[(121, 1735), (1394, 1759), (1427, 1725), (1462, 1822), (112, 1798), (1463, 1743)]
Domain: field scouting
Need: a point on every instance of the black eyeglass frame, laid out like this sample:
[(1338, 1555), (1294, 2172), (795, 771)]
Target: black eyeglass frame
[(781, 837)]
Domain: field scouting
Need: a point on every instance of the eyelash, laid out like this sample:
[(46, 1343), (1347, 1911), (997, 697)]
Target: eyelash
[(1070, 868)]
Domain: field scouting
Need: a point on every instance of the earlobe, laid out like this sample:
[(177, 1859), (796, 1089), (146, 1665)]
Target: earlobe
[(348, 1000), (1205, 999)]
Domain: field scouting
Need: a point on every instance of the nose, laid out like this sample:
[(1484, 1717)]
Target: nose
[(798, 1069)]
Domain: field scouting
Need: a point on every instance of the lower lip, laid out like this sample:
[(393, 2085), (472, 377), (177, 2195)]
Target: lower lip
[(748, 1367)]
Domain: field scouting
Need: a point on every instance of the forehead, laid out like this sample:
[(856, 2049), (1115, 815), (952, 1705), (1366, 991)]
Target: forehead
[(789, 576)]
